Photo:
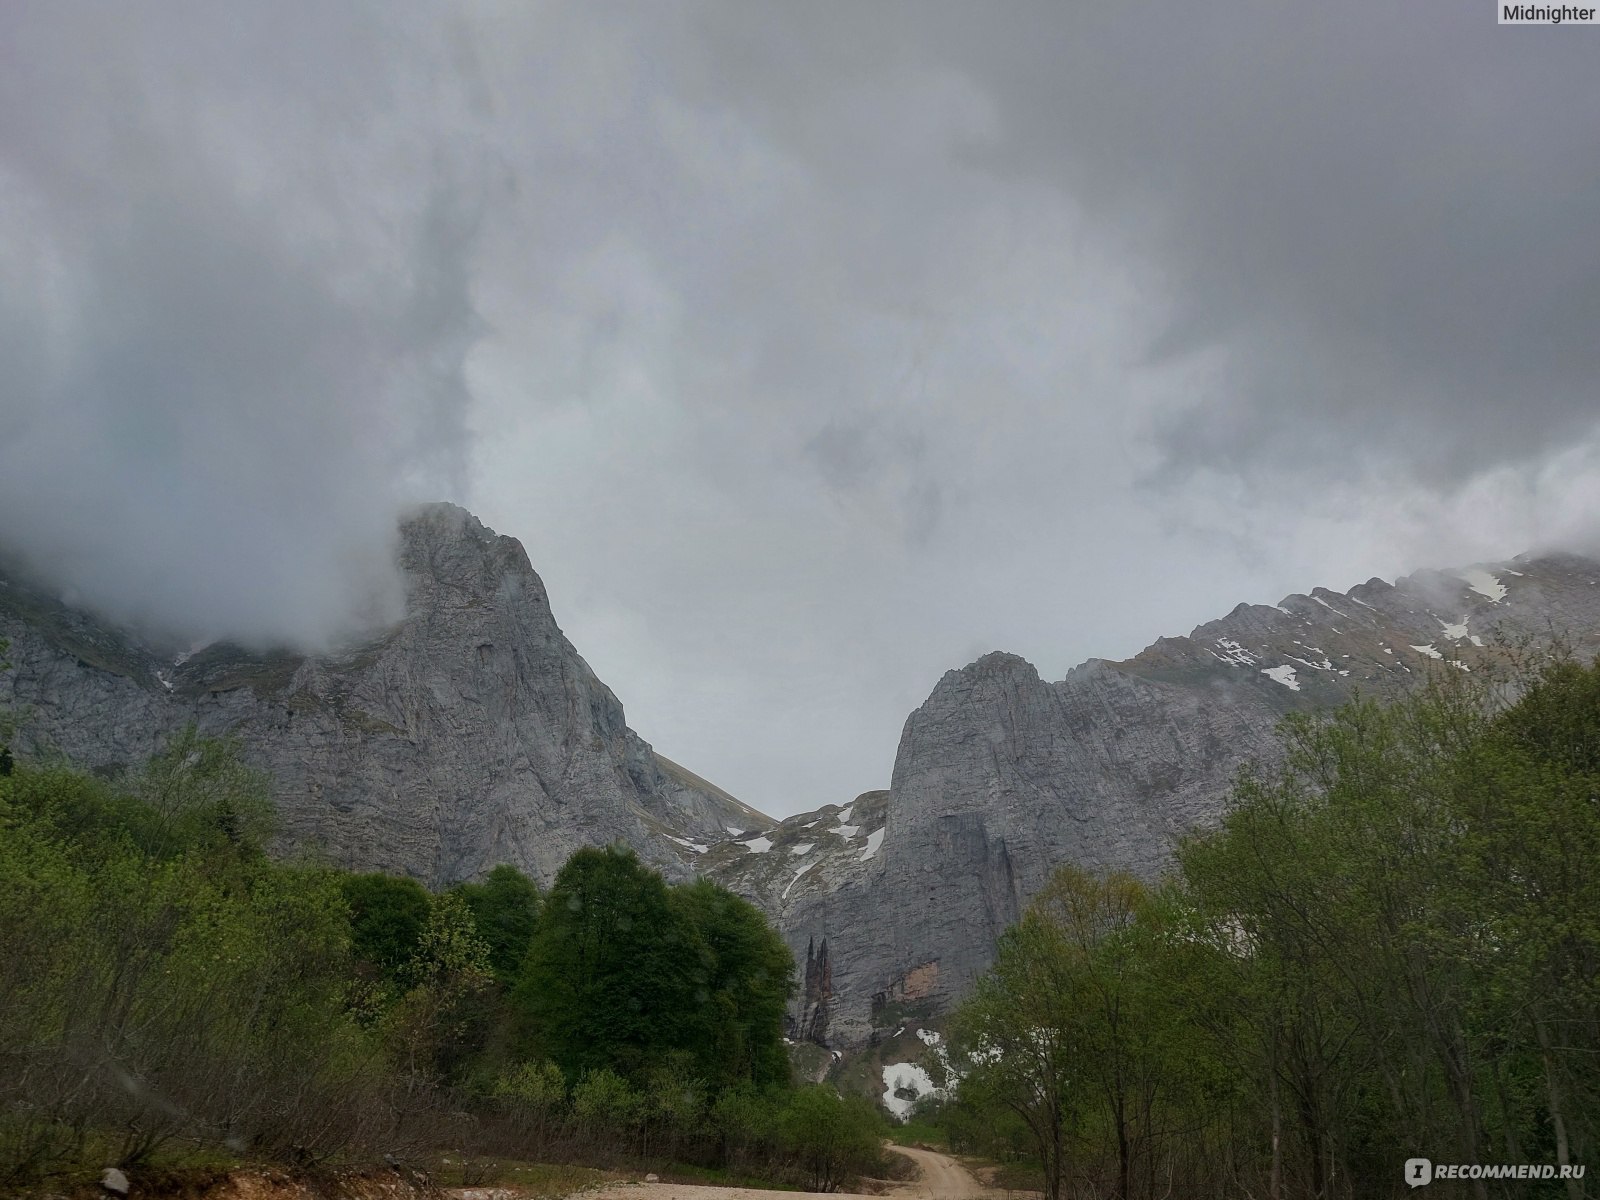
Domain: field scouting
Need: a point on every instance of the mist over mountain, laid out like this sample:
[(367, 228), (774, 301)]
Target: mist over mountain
[(223, 383), (466, 733)]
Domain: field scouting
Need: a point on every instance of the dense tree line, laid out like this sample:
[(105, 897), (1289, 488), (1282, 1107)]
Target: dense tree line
[(164, 984), (1389, 949)]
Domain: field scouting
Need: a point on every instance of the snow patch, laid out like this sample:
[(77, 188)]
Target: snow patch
[(802, 848), (1283, 675), (1454, 632), (1476, 641), (1325, 665), (1484, 583), (847, 831), (796, 880), (935, 1043), (1428, 650), (905, 1077), (1233, 652), (874, 840), (733, 829), (688, 845), (758, 845)]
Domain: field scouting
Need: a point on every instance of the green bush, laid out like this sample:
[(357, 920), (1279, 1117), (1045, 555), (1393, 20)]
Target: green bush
[(833, 1136)]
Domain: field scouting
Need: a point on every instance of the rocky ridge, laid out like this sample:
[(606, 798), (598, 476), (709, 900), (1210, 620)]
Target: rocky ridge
[(1001, 776), (469, 734)]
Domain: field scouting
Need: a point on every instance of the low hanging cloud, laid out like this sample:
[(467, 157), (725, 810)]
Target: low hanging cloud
[(237, 311), (824, 346)]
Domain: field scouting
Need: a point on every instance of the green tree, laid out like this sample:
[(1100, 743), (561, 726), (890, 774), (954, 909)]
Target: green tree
[(748, 985), (1330, 877), (436, 1023), (1531, 835), (166, 984), (834, 1136), (1016, 1040), (505, 910), (1075, 1031), (743, 1117), (388, 915), (202, 796), (617, 977), (1411, 930)]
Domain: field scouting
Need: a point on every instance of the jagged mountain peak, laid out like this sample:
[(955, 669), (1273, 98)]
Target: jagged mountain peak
[(468, 733), (996, 664), (1318, 647)]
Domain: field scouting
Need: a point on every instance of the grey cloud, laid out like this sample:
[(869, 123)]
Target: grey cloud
[(1377, 212), (1379, 216), (820, 343), (224, 376), (881, 471)]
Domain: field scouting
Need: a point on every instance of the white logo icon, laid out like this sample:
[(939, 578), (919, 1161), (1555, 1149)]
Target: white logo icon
[(1419, 1171)]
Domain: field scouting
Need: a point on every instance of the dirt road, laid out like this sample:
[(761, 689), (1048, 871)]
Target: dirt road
[(943, 1178)]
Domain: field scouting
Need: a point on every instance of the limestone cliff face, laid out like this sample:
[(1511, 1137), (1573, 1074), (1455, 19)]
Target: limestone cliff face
[(1002, 776), (470, 734)]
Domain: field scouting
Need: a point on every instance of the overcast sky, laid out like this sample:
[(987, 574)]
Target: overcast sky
[(812, 349)]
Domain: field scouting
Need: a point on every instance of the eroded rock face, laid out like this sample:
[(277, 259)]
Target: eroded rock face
[(1002, 776), (470, 734)]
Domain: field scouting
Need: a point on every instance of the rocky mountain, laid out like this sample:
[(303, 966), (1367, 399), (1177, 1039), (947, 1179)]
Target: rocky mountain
[(470, 734), (895, 902)]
